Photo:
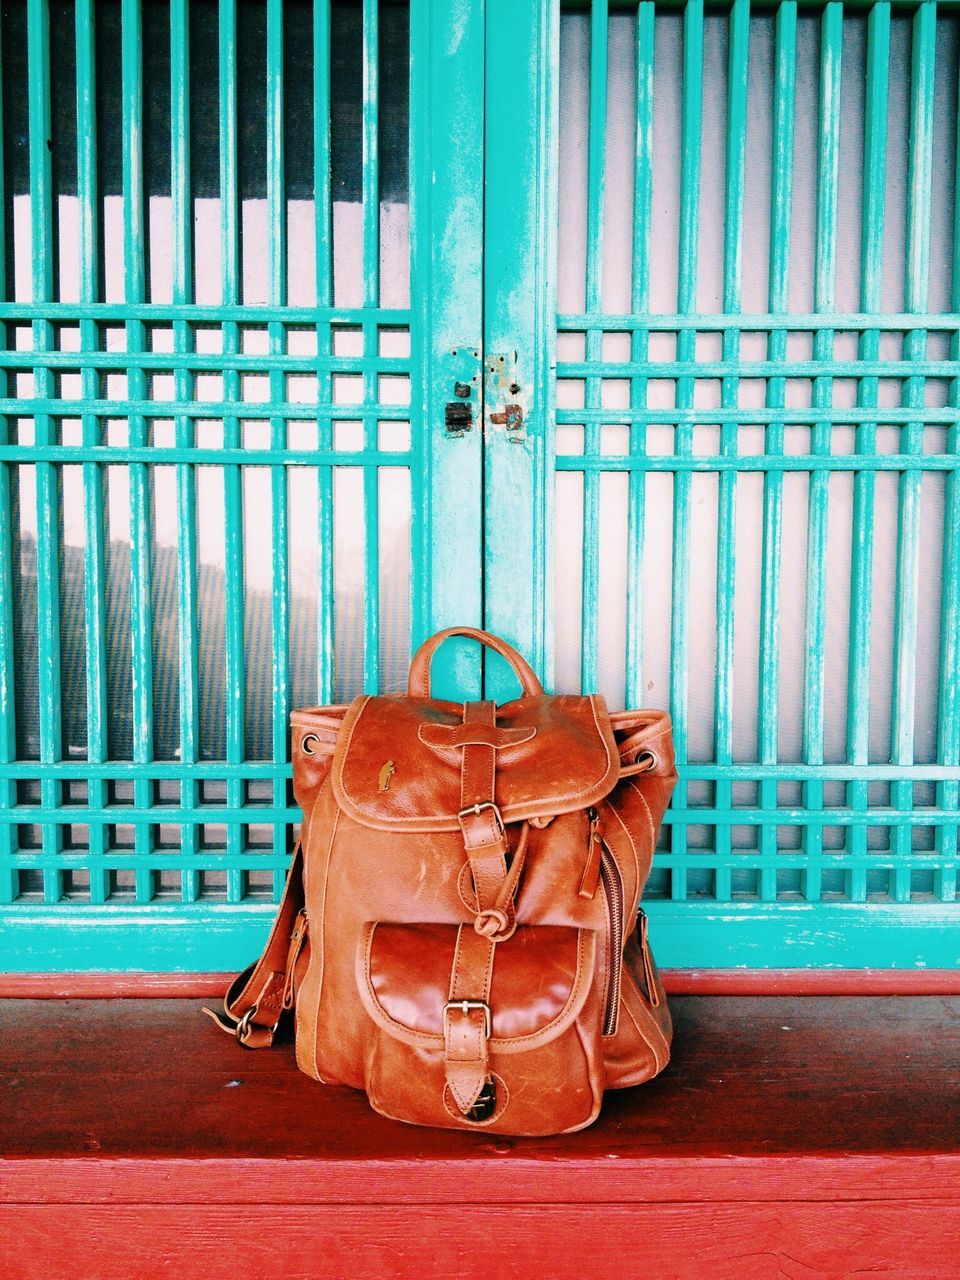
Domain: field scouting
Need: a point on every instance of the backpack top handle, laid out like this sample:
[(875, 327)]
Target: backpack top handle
[(418, 685)]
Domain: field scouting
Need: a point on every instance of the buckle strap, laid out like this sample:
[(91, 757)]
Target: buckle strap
[(467, 1021), (484, 837), (257, 997)]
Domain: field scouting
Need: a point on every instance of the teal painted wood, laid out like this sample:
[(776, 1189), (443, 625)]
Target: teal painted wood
[(94, 560), (736, 142), (446, 200), (640, 343), (48, 503), (689, 229), (185, 432), (864, 487), (235, 666), (104, 828), (872, 878), (519, 310), (781, 196), (865, 850), (948, 704), (9, 881), (919, 174), (210, 937)]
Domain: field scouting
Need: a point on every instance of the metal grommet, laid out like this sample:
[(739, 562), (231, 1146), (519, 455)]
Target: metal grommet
[(309, 744), (650, 758)]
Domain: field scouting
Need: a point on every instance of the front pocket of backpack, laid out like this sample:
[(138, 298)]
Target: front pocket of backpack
[(545, 1056)]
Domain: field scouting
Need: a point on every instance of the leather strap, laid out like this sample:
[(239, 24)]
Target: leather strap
[(484, 839), (418, 684), (257, 997), (466, 1018)]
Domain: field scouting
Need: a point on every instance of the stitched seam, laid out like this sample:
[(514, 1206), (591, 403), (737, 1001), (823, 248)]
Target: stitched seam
[(515, 737), (650, 821), (320, 956), (633, 848), (659, 1062)]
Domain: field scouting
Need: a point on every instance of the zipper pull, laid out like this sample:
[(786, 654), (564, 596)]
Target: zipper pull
[(591, 871), (297, 939), (649, 979)]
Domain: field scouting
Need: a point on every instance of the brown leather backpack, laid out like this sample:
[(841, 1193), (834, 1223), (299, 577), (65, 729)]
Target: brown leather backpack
[(460, 932)]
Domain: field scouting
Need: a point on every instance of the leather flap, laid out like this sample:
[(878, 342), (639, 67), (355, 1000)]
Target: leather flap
[(397, 762), (541, 976)]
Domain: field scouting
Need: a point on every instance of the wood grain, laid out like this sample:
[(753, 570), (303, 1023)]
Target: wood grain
[(901, 1240), (792, 1136)]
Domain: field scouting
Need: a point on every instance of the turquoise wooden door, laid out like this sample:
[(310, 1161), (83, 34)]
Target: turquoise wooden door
[(723, 241), (242, 255), (630, 330)]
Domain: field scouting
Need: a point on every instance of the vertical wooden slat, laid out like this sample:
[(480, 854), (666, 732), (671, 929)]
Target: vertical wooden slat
[(947, 794), (371, 297), (94, 562), (596, 176), (324, 288), (184, 431), (739, 42), (824, 293), (690, 150), (861, 569), (235, 667), (277, 294), (141, 567), (9, 876), (640, 346), (781, 208), (47, 479), (919, 195)]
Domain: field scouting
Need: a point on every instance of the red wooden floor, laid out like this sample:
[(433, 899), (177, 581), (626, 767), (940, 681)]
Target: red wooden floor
[(791, 1137)]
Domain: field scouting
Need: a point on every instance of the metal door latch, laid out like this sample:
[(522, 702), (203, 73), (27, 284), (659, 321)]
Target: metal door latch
[(505, 395), (458, 413), (511, 417)]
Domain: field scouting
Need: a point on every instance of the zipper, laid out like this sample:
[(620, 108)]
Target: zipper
[(591, 870), (653, 995), (613, 896)]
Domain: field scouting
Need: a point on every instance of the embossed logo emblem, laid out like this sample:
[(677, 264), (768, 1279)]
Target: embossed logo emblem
[(386, 773)]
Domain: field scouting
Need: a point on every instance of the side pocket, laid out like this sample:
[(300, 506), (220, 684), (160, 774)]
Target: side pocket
[(641, 1047), (545, 1011)]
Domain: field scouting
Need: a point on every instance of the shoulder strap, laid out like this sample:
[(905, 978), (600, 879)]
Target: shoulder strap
[(258, 997)]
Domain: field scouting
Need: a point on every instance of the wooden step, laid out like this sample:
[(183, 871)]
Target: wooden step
[(791, 1136)]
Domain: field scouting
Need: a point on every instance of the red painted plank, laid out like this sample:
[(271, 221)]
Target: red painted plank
[(813, 982), (765, 1098), (722, 982), (902, 1239), (108, 986)]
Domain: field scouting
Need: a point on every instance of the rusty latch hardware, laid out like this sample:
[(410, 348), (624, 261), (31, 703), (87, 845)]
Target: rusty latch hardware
[(511, 417), (505, 396), (463, 369), (458, 417)]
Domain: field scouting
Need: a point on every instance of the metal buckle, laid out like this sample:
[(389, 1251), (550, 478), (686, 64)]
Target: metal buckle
[(478, 809), (466, 1005)]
